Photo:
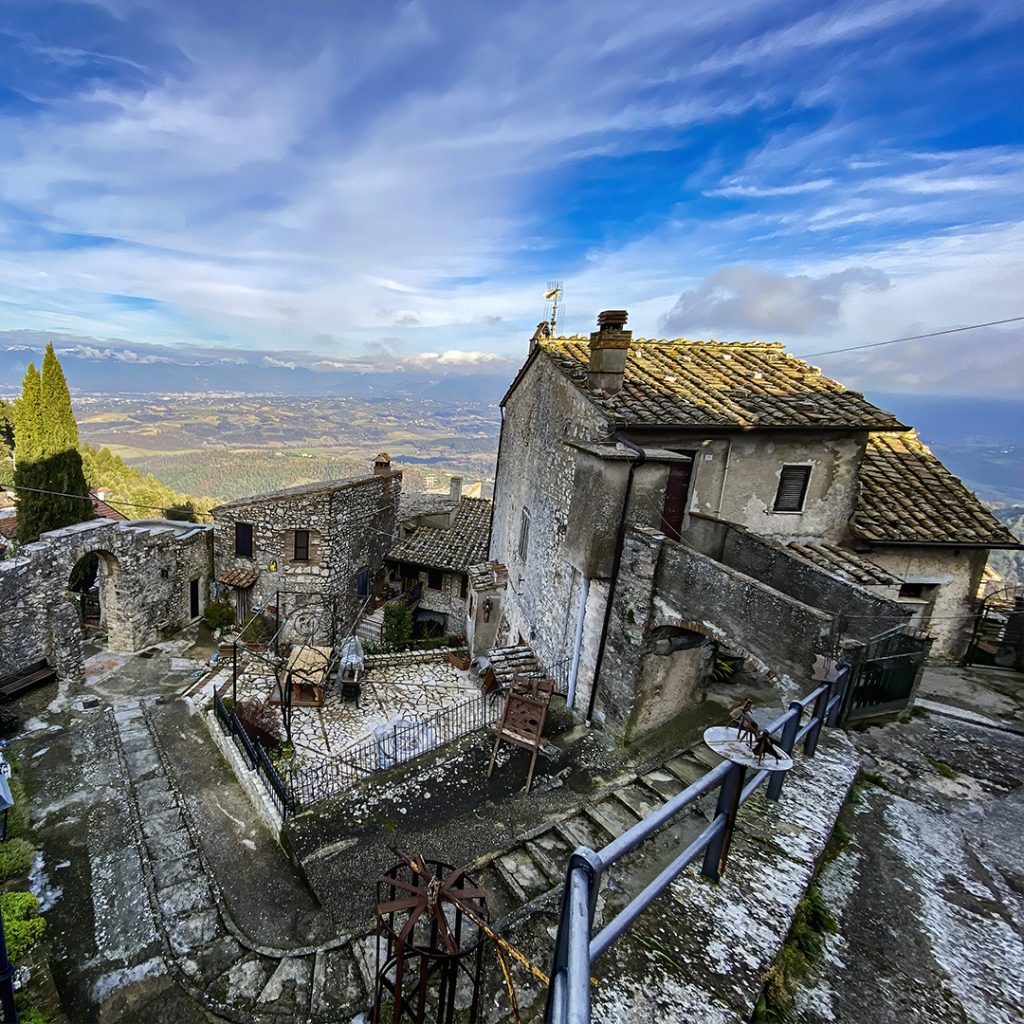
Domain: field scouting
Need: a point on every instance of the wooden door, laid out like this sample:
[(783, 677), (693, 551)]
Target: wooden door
[(677, 493)]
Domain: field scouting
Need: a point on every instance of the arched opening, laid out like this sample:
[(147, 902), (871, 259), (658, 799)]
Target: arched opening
[(92, 587)]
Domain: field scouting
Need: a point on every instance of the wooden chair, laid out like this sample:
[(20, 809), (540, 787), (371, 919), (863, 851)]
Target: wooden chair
[(522, 721)]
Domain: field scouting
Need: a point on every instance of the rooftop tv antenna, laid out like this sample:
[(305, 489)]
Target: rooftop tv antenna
[(553, 297)]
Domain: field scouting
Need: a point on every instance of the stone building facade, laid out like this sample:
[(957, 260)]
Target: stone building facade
[(314, 553), (600, 440), (154, 579), (439, 540)]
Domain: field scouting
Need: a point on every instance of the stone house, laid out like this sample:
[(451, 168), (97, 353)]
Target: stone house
[(439, 539), (650, 493), (319, 547), (153, 581)]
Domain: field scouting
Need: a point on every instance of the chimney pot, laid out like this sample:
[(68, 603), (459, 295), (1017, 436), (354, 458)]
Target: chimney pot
[(382, 464), (455, 488), (609, 349)]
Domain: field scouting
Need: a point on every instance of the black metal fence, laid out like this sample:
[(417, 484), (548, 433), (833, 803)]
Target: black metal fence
[(319, 779), (255, 756)]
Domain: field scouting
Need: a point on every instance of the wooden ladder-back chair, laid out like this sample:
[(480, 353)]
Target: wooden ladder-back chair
[(522, 720)]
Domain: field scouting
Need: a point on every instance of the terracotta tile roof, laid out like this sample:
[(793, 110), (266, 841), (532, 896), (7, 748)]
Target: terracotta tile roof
[(844, 563), (723, 384), (303, 489), (488, 576), (907, 496), (241, 578), (456, 548), (103, 510)]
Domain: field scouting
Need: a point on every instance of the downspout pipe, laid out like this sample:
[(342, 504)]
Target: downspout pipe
[(620, 540), (577, 644)]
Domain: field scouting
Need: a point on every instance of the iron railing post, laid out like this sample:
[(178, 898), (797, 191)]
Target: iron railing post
[(786, 742), (820, 704), (838, 695), (568, 999), (728, 802)]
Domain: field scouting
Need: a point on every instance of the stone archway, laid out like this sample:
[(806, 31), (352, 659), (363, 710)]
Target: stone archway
[(93, 586)]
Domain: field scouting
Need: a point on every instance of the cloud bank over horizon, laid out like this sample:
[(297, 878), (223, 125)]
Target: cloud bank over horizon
[(310, 188)]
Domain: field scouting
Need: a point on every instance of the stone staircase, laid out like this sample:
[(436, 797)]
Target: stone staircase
[(239, 979)]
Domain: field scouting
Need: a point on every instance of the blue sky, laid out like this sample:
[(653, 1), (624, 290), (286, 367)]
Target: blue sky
[(398, 182)]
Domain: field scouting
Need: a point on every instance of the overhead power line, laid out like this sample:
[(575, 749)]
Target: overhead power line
[(914, 337), (108, 501)]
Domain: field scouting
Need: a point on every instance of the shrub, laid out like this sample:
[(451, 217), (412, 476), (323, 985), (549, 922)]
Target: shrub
[(262, 723), (17, 816), (16, 856), (22, 923), (219, 615), (397, 626)]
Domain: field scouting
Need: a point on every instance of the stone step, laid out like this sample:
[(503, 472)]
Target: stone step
[(613, 815), (664, 783), (580, 830), (501, 900), (551, 851), (337, 991), (241, 984), (639, 799), (687, 768), (287, 989)]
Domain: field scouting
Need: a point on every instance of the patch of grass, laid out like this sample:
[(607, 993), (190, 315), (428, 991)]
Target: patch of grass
[(17, 816), (22, 924), (811, 923), (837, 842), (16, 856), (874, 779), (942, 768)]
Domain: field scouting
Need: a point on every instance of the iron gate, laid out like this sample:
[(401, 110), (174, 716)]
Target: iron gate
[(884, 673), (998, 637)]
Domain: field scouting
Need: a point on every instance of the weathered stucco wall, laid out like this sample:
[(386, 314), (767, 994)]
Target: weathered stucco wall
[(736, 478), (447, 601), (535, 471), (949, 616), (145, 574), (354, 524)]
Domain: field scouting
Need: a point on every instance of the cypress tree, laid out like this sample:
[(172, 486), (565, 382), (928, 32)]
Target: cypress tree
[(46, 453), (28, 455), (6, 443)]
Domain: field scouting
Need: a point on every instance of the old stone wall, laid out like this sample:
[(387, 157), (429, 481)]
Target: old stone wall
[(447, 601), (862, 614), (535, 472), (145, 572), (956, 574), (352, 525), (668, 584)]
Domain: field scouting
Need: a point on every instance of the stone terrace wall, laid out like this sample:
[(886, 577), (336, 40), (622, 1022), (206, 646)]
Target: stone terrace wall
[(862, 613), (667, 584), (145, 572)]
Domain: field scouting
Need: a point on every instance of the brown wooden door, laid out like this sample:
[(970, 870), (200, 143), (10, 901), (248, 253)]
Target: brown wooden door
[(677, 492)]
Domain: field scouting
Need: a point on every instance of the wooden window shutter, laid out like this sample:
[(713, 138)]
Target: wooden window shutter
[(792, 488)]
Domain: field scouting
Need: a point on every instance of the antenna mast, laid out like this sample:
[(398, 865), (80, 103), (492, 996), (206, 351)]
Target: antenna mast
[(553, 297)]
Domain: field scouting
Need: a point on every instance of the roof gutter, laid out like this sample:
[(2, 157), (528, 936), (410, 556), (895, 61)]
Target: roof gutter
[(620, 539)]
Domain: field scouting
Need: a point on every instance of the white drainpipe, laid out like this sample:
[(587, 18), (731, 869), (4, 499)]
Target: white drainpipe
[(577, 643)]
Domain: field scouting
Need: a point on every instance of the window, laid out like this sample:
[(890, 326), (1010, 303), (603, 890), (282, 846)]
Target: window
[(363, 584), (301, 546), (917, 591), (524, 534), (464, 587), (792, 488), (243, 539), (434, 579)]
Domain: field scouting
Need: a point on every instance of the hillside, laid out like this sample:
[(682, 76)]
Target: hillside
[(1010, 564), (125, 484)]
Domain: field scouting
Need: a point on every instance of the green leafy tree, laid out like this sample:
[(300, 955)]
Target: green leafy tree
[(397, 626), (46, 454)]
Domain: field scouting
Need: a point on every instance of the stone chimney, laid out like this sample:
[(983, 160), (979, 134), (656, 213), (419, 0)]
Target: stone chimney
[(609, 346), (382, 464), (455, 488)]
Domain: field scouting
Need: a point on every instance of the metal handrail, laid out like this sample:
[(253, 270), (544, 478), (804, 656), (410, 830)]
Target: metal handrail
[(576, 948)]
